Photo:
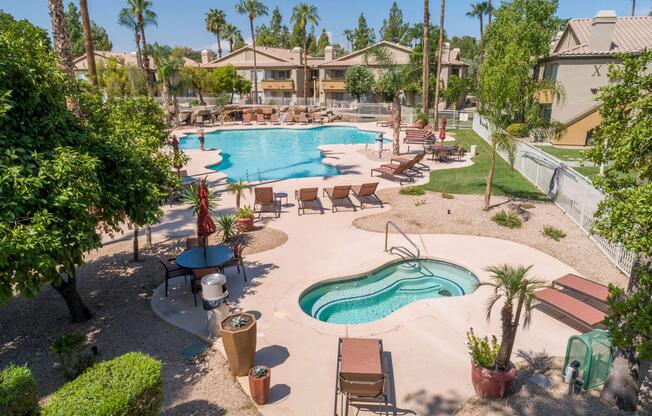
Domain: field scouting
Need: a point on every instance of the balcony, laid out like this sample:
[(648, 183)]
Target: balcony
[(333, 85), (277, 85)]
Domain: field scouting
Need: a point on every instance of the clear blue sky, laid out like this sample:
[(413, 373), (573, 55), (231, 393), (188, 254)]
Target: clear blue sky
[(181, 22)]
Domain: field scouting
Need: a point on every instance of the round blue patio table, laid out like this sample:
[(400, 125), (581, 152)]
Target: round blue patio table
[(204, 257)]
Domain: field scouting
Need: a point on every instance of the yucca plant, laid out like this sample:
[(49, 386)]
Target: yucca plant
[(512, 284), (227, 227), (190, 196)]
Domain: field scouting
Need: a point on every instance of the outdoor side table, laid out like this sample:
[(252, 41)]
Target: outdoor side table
[(280, 195)]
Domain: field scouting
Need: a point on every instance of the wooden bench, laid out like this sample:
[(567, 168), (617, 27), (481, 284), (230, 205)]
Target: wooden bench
[(562, 306)]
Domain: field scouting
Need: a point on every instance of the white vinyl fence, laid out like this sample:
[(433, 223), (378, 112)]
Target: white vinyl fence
[(571, 191), (455, 119)]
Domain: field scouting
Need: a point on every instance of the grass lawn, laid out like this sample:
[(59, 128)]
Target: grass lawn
[(562, 153), (589, 171), (472, 179)]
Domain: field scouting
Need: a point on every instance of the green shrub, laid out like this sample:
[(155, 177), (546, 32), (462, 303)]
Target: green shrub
[(227, 227), (245, 212), (527, 205), (507, 219), (447, 195), (483, 351), (412, 190), (553, 232), (72, 354), (17, 392), (422, 116), (518, 130), (129, 385)]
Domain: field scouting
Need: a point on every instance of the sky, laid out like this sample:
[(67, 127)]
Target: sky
[(181, 22)]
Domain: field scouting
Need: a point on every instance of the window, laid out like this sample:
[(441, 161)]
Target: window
[(546, 112), (550, 72), (338, 74)]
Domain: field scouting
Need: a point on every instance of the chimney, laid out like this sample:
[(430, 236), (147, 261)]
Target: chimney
[(602, 30), (297, 55), (206, 56), (446, 53), (329, 53)]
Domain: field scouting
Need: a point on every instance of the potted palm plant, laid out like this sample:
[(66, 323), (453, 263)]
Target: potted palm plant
[(245, 218), (259, 379), (492, 372), (238, 333)]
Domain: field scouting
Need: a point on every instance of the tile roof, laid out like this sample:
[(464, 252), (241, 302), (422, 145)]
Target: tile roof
[(631, 34)]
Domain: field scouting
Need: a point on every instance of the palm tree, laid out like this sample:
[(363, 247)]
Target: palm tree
[(168, 71), (425, 86), (490, 11), (302, 14), (479, 10), (513, 285), (253, 9), (232, 34), (125, 19), (142, 14), (238, 189), (88, 39), (215, 21), (62, 48), (439, 56)]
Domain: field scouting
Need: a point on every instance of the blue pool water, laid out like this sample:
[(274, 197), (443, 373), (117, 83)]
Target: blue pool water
[(263, 154), (377, 294)]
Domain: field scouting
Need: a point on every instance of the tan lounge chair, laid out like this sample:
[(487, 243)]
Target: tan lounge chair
[(339, 196), (569, 309), (264, 201), (396, 171), (303, 119), (246, 118), (274, 119), (289, 119), (410, 168), (387, 122), (366, 194), (260, 119), (416, 161), (361, 379), (317, 119), (308, 196)]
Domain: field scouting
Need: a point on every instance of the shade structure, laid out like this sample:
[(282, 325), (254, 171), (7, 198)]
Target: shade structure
[(442, 131), (205, 224)]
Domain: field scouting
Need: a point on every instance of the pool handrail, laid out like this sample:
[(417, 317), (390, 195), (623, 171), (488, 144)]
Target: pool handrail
[(396, 227)]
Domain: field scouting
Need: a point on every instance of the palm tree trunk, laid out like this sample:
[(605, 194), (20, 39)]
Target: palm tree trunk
[(439, 56), (88, 39), (490, 179), (253, 40), (425, 86), (139, 57), (396, 113), (230, 45), (633, 7), (489, 13), (305, 66), (219, 44), (481, 37), (62, 48), (148, 235), (148, 72)]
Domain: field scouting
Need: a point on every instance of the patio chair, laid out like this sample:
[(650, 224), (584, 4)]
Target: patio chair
[(410, 167), (458, 153), (172, 270), (194, 242), (307, 196), (366, 193), (361, 378), (339, 196), (265, 201), (303, 119), (396, 172), (246, 119), (274, 119), (416, 159), (237, 260), (195, 282), (442, 154), (260, 119)]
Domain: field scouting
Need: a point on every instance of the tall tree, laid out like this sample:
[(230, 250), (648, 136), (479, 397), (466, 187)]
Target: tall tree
[(425, 75), (76, 38), (253, 9), (394, 28), (232, 35), (302, 15), (348, 34), (88, 37), (490, 11), (479, 10), (322, 42), (126, 19), (440, 51), (62, 47), (363, 34), (215, 21), (144, 16), (624, 216)]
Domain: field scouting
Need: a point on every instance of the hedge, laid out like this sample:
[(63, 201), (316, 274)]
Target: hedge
[(18, 395), (129, 385)]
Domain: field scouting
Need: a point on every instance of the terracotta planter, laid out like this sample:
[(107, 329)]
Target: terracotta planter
[(259, 386), (245, 224), (419, 124), (492, 384), (239, 343)]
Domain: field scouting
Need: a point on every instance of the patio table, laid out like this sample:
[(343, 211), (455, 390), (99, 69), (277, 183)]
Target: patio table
[(205, 257)]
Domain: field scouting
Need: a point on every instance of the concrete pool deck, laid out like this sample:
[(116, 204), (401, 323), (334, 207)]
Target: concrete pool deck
[(426, 339)]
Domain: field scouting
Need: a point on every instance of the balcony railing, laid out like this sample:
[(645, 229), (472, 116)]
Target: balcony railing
[(280, 85)]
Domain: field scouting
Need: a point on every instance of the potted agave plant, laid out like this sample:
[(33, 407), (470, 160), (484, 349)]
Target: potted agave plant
[(259, 378), (245, 218), (492, 372), (238, 333)]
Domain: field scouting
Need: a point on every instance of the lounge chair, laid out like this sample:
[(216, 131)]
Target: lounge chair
[(303, 119), (416, 159), (307, 196), (317, 119), (361, 378), (274, 119), (587, 288), (260, 119), (396, 171), (339, 196), (410, 167), (569, 309), (246, 119), (366, 194), (172, 270), (264, 201), (289, 119), (387, 122)]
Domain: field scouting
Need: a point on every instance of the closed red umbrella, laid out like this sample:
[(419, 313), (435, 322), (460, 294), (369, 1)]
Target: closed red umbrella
[(442, 131), (176, 161), (205, 224)]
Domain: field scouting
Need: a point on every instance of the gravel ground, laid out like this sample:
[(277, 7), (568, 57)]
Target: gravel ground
[(429, 214), (118, 293)]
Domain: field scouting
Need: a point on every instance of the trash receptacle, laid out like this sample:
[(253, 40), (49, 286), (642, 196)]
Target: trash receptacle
[(214, 297), (593, 354), (474, 149)]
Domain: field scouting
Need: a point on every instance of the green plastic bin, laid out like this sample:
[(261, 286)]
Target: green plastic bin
[(594, 353)]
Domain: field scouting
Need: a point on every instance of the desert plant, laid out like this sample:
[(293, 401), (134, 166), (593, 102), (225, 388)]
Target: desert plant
[(190, 195), (412, 190), (518, 130), (72, 354), (447, 195), (482, 350), (239, 321), (237, 188), (553, 232), (527, 205), (227, 227), (245, 212), (512, 284), (18, 395), (130, 385), (419, 202), (508, 219), (259, 371)]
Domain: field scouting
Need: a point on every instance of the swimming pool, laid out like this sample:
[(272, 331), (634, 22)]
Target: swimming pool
[(375, 295), (276, 153)]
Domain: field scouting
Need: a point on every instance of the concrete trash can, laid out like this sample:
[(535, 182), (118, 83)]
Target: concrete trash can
[(214, 297), (474, 149)]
